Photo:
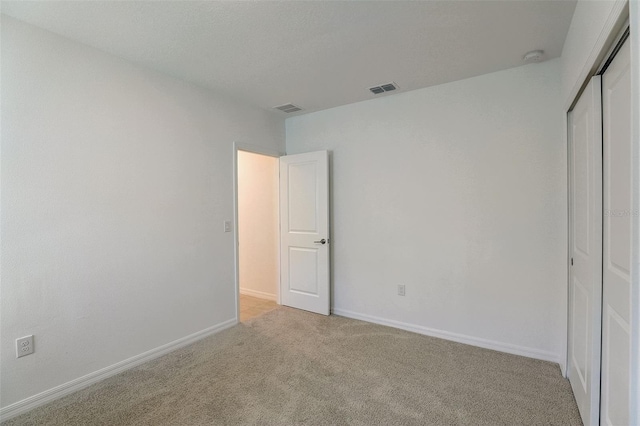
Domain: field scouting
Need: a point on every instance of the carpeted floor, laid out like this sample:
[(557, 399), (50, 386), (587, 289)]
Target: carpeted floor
[(290, 367)]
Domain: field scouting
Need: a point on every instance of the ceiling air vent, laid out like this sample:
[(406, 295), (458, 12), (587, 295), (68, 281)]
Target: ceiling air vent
[(288, 108), (383, 88)]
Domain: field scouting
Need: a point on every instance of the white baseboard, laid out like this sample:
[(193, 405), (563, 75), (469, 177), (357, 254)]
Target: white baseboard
[(42, 398), (460, 338), (259, 294)]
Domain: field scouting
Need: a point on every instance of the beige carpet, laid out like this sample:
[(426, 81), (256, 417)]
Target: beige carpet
[(290, 367)]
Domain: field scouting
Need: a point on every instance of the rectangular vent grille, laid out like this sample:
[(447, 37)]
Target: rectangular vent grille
[(383, 88), (288, 108)]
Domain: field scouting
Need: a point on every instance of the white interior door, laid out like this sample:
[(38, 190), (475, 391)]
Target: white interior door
[(304, 231), (585, 277), (616, 318)]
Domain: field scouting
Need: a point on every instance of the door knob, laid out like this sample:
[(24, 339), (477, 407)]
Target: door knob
[(322, 241)]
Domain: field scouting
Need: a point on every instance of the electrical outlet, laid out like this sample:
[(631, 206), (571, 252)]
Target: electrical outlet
[(227, 226), (24, 346), (400, 289)]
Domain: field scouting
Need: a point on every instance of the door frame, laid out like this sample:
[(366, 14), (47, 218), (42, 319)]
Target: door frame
[(634, 22), (254, 149)]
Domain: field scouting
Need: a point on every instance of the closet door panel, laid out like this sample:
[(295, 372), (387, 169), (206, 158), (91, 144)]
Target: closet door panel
[(616, 331), (585, 278)]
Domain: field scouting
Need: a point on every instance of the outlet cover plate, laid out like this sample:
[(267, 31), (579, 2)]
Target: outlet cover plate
[(24, 346)]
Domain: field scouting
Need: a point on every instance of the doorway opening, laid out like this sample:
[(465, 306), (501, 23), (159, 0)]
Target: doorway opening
[(257, 232), (281, 231)]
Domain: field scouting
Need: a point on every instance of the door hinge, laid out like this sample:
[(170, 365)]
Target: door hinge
[(572, 261)]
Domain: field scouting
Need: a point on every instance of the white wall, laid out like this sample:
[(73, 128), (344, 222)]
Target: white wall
[(258, 214), (115, 184), (459, 192)]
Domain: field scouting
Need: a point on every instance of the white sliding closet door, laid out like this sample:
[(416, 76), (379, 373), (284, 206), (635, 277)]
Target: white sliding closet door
[(585, 277), (616, 313)]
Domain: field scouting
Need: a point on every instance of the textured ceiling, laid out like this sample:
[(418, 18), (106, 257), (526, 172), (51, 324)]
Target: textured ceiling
[(314, 54)]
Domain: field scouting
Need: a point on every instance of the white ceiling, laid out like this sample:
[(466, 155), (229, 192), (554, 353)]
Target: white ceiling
[(314, 54)]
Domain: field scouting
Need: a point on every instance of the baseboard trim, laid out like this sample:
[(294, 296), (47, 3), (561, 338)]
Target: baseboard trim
[(259, 294), (47, 396), (455, 337)]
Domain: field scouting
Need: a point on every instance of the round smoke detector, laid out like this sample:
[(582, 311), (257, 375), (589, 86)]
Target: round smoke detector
[(534, 56)]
